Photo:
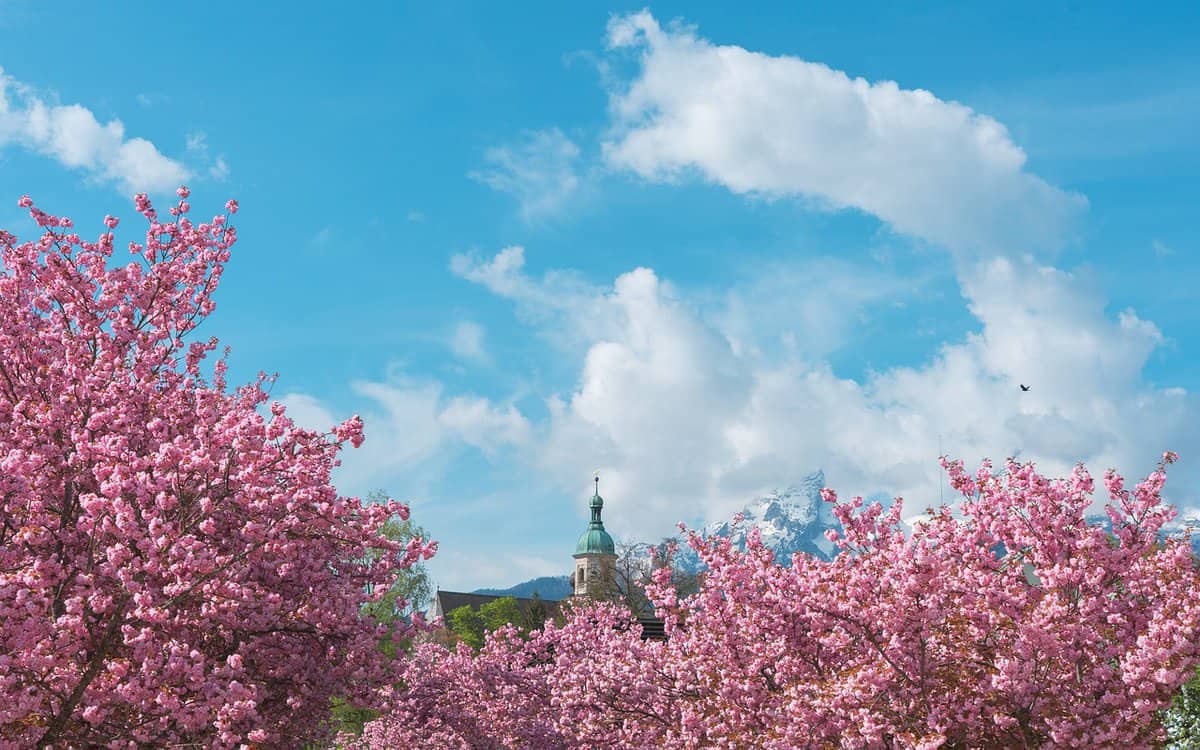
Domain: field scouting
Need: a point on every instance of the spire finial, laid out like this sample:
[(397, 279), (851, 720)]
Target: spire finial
[(596, 479)]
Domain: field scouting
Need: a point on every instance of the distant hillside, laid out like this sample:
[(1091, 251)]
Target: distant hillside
[(550, 588)]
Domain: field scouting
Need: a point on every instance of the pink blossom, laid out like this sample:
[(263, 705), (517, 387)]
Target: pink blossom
[(174, 571), (1010, 621), (352, 430)]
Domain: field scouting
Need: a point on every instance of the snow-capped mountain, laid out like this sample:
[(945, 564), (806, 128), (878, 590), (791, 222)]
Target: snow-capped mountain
[(788, 521)]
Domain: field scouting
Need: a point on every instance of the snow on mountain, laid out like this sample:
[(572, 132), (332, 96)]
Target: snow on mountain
[(788, 521)]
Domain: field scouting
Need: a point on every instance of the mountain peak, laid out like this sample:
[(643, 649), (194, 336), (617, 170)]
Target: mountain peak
[(788, 520)]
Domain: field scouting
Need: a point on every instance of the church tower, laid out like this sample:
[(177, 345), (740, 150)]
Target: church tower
[(595, 554)]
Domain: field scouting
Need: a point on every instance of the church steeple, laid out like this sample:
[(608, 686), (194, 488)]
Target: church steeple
[(597, 505), (595, 552)]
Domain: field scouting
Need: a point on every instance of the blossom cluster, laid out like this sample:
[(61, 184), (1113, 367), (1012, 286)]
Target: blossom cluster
[(176, 567), (1008, 620)]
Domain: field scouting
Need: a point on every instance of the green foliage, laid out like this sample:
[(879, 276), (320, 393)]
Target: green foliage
[(346, 717), (410, 593), (472, 625), (412, 590), (467, 624), (1182, 719)]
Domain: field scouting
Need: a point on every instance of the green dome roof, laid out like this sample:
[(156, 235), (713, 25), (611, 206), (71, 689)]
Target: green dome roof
[(596, 541)]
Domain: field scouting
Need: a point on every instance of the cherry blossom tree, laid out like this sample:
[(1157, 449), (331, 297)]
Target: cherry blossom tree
[(175, 566), (1009, 620)]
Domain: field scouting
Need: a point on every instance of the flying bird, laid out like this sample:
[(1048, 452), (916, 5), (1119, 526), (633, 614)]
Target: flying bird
[(1024, 387)]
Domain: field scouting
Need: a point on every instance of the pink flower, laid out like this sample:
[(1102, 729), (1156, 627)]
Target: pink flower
[(231, 206), (199, 526), (1013, 613), (351, 429)]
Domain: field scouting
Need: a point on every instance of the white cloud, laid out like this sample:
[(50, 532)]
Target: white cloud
[(476, 421), (501, 274), (460, 568), (412, 426), (308, 412), (687, 415), (811, 309), (540, 172), (560, 303), (73, 136), (686, 424), (466, 342), (782, 126)]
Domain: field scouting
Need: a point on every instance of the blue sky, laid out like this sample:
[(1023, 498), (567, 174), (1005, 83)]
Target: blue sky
[(705, 251)]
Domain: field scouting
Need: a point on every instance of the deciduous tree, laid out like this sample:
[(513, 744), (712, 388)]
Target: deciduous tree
[(175, 566), (1008, 620)]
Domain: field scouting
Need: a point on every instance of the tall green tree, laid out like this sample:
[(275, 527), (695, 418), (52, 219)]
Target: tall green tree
[(410, 593), (1182, 719), (472, 625)]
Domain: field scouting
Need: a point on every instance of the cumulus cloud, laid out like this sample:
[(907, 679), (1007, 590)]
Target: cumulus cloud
[(692, 401), (686, 424), (73, 136), (812, 308), (478, 422), (781, 126), (540, 172)]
